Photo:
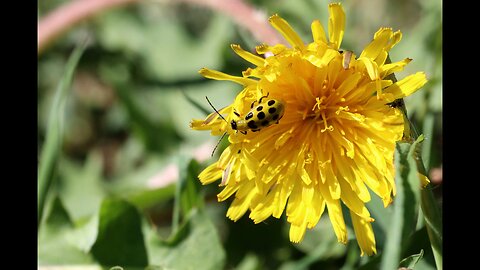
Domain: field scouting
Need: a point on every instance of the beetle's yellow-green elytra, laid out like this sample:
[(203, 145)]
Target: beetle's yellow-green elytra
[(266, 113)]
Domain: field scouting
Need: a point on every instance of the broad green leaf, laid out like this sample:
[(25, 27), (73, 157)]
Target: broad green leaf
[(143, 126), (80, 186), (194, 246), (411, 261), (120, 239), (160, 43), (54, 133), (58, 241)]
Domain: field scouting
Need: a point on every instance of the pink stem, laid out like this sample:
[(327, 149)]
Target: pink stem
[(70, 14), (245, 15)]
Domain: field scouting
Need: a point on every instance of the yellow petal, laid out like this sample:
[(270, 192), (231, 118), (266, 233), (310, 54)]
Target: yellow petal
[(397, 36), (228, 191), (388, 69), (317, 32), (263, 209), (322, 61), (297, 232), (351, 200), (423, 180), (239, 206), (371, 66), (378, 44), (405, 87), (336, 25), (217, 75), (250, 57), (210, 174), (286, 31), (264, 48), (336, 218), (285, 191), (364, 233)]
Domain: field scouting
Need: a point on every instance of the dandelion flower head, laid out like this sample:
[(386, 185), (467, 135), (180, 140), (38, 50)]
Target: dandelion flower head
[(335, 142)]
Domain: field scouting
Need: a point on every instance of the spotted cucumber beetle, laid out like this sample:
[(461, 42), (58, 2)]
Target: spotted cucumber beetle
[(261, 116), (264, 114)]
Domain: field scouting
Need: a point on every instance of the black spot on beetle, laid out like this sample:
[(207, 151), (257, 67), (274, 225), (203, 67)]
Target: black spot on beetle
[(239, 151), (249, 115), (272, 110), (271, 102), (251, 124), (275, 117), (265, 123), (261, 115), (259, 108)]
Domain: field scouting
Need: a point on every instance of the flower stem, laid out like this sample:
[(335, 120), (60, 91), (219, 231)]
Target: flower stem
[(430, 209)]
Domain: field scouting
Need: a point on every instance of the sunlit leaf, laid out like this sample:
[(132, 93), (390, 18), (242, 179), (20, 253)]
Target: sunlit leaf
[(120, 239), (58, 240), (194, 246), (80, 186)]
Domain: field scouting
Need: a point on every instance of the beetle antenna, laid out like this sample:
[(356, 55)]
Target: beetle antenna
[(217, 113), (225, 133)]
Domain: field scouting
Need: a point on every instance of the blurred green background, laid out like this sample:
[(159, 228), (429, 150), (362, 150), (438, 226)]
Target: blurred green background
[(124, 188)]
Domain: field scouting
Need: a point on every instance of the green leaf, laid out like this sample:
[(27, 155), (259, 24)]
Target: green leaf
[(54, 133), (120, 239), (191, 196), (80, 186), (147, 198), (195, 245), (416, 243), (188, 195), (163, 48), (142, 124), (412, 260), (58, 240), (405, 206)]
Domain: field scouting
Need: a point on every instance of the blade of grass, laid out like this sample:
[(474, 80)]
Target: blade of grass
[(196, 104), (54, 132)]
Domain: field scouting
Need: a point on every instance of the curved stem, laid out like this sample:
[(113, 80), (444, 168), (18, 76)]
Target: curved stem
[(245, 15), (68, 15), (59, 21)]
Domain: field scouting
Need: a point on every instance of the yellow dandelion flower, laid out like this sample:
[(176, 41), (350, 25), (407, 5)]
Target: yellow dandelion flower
[(333, 140)]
